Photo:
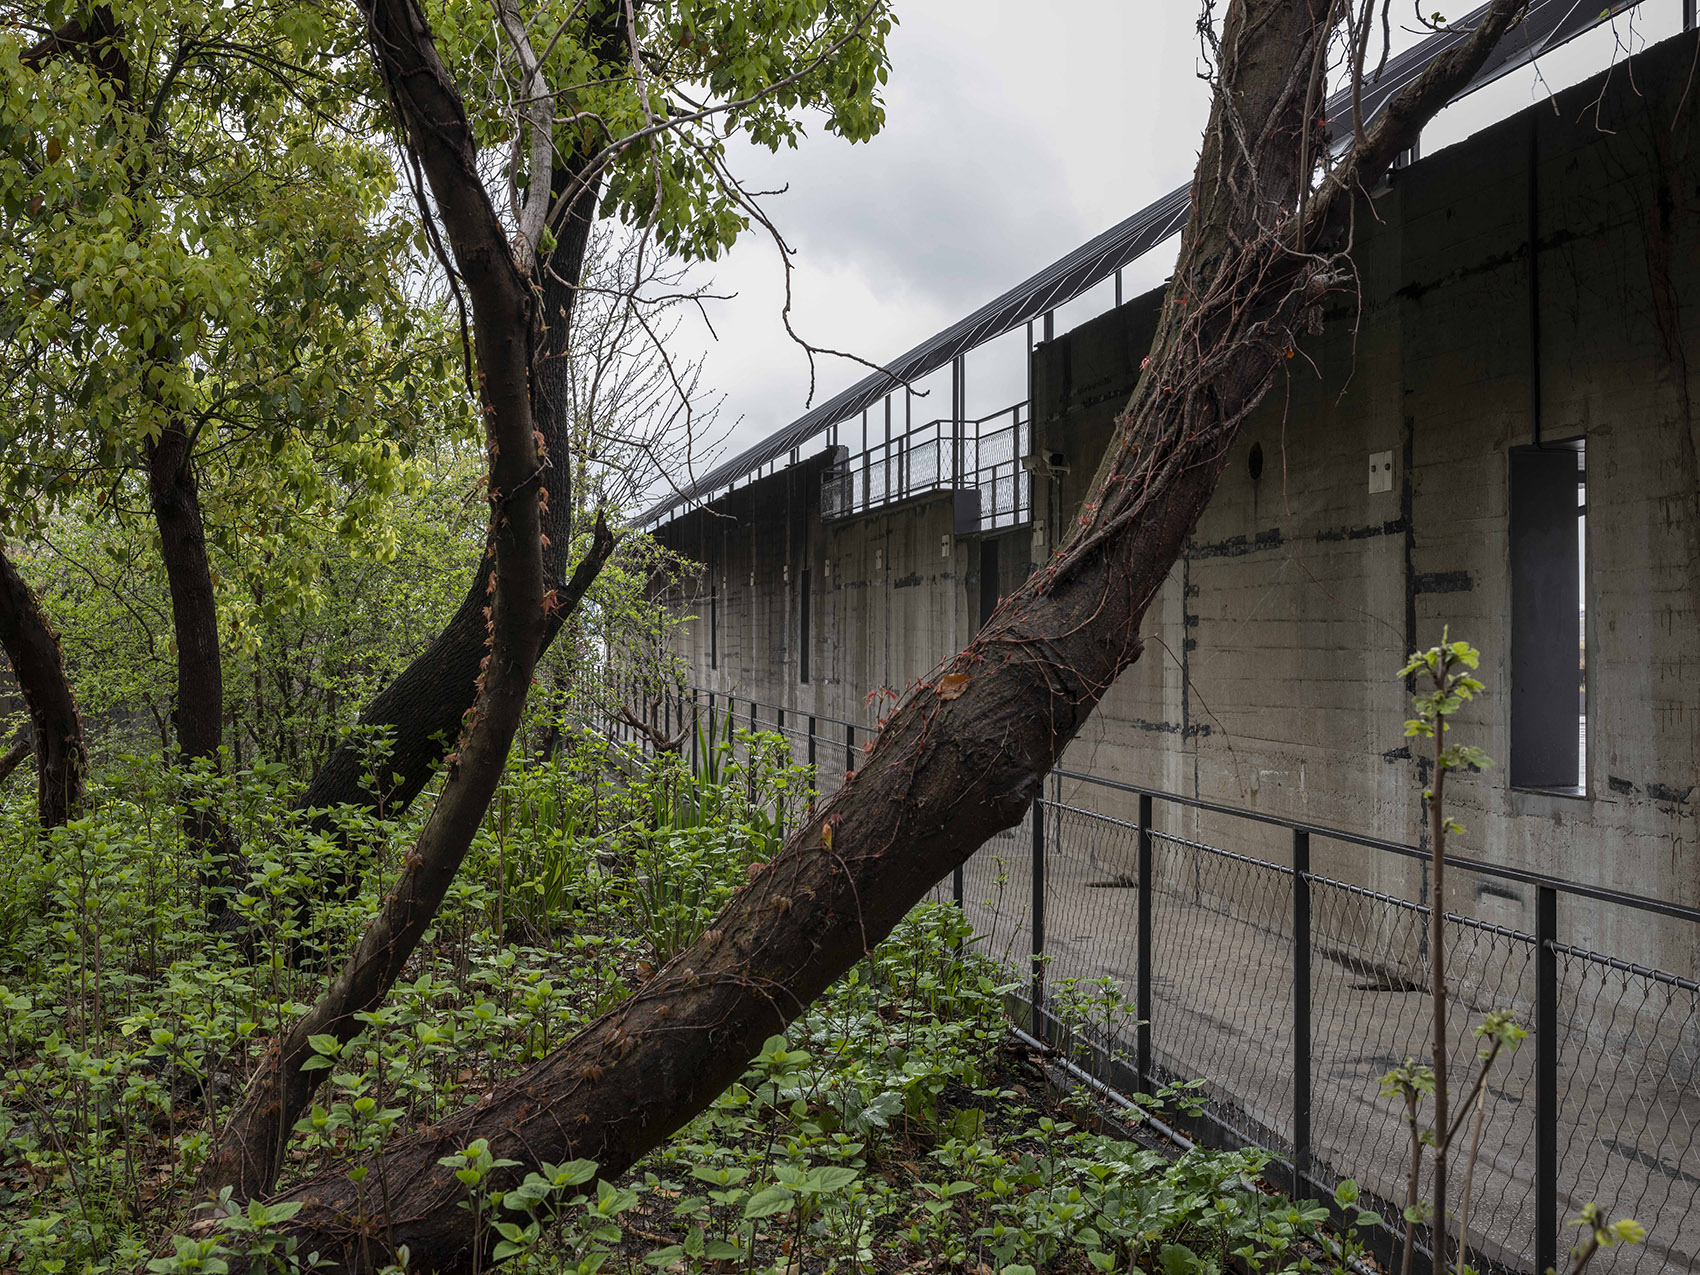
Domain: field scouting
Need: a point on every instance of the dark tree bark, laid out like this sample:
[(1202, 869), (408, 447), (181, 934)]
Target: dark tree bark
[(962, 757), (90, 37), (174, 497), (198, 714), (520, 614), (33, 648), (14, 755), (422, 708)]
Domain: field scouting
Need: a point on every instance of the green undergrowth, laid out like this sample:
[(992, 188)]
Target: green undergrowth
[(890, 1129)]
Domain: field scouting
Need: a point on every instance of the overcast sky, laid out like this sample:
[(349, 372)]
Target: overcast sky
[(1014, 133)]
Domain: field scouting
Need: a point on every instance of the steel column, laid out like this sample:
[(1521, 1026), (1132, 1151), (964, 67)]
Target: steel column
[(1142, 989), (1301, 1011), (814, 775), (1546, 1078), (779, 729), (1038, 913)]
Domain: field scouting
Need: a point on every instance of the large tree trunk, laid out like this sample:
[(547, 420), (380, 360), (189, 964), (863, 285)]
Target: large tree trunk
[(962, 757), (175, 500), (33, 648), (198, 716)]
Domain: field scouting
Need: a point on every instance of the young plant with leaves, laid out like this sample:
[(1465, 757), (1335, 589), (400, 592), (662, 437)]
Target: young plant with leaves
[(1446, 682), (1445, 672)]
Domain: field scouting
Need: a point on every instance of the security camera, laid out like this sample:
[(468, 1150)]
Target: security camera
[(1053, 464)]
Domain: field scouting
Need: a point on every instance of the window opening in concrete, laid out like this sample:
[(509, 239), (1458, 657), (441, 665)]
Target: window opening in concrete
[(803, 629), (988, 579), (1549, 705)]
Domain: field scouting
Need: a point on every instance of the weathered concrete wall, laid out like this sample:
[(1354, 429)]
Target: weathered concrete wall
[(1268, 680)]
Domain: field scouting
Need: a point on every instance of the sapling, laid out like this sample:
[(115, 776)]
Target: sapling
[(1445, 671)]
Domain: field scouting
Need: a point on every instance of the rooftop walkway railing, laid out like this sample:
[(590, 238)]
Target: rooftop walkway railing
[(1284, 964), (979, 458)]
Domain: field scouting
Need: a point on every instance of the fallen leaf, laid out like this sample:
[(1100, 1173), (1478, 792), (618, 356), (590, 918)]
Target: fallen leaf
[(952, 685)]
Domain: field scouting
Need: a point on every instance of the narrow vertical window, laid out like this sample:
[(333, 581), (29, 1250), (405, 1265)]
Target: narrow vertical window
[(988, 579), (803, 629), (1549, 706), (713, 619)]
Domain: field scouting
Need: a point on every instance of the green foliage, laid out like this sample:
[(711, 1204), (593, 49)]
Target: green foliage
[(881, 1126), (1450, 689), (712, 70), (1598, 1232), (296, 670), (201, 233)]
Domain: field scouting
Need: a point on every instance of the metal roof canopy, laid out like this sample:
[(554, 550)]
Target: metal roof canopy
[(1546, 25)]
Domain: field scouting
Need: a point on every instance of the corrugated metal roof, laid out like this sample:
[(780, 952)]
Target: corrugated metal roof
[(1548, 24)]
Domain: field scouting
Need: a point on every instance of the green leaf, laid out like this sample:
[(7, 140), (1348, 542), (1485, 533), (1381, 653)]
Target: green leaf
[(832, 1178), (767, 1202)]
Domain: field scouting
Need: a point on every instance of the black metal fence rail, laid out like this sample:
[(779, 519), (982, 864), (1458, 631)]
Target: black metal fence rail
[(1289, 989)]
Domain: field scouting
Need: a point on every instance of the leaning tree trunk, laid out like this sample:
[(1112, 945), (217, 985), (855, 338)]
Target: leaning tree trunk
[(963, 756), (33, 648), (13, 757)]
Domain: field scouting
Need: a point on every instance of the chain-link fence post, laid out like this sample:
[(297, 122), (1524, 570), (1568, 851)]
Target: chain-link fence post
[(1142, 992), (814, 775), (1038, 912), (1546, 1078), (1301, 1011), (790, 757)]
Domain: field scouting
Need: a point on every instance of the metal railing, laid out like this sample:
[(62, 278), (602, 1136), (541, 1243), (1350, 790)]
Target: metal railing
[(980, 457), (1284, 964)]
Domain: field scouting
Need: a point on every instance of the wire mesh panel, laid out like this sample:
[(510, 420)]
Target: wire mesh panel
[(1222, 982), (1371, 1011), (997, 897), (1629, 1106)]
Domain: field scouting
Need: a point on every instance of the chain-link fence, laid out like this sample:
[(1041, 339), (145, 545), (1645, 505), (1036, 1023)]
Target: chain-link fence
[(1287, 968)]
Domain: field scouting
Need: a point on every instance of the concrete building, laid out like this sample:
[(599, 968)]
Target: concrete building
[(1495, 434), (1477, 418)]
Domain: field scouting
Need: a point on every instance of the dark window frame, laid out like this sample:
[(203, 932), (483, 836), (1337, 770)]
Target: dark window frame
[(1546, 538), (804, 637)]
